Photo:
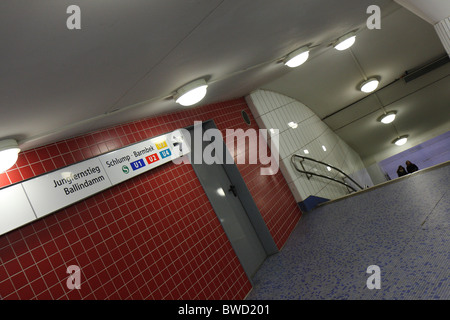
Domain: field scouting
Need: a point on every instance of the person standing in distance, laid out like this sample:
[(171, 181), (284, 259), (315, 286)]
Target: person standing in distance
[(411, 167)]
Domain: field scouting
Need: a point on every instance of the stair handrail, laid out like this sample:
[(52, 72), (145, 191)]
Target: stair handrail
[(320, 175)]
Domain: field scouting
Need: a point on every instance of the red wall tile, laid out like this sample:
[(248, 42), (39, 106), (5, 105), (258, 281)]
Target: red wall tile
[(134, 240)]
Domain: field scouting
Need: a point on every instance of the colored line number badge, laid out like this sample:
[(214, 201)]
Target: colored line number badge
[(165, 153), (152, 158), (137, 164), (161, 145)]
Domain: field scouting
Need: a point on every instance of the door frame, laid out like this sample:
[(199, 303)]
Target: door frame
[(243, 193)]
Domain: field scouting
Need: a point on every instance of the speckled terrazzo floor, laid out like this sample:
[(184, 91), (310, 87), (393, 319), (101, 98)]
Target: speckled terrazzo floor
[(402, 227)]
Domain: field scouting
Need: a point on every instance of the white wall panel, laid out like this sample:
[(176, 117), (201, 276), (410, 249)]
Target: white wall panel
[(273, 110), (443, 30), (15, 210)]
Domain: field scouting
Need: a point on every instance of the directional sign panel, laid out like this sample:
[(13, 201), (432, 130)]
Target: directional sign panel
[(42, 195)]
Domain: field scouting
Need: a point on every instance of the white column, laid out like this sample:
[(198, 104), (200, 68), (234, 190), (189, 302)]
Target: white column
[(443, 31)]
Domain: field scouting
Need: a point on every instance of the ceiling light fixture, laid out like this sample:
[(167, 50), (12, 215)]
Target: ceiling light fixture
[(400, 140), (345, 42), (387, 117), (297, 57), (191, 93), (369, 85), (9, 152), (293, 125)]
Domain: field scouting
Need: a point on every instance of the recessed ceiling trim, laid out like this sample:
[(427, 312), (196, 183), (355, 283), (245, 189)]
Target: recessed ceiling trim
[(413, 74)]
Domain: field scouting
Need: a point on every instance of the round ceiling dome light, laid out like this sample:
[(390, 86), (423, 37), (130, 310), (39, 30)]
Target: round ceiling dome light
[(388, 117), (297, 57), (345, 42), (369, 85), (9, 152), (191, 93), (293, 125), (400, 140)]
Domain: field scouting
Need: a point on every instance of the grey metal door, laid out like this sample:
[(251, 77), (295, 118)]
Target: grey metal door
[(234, 219)]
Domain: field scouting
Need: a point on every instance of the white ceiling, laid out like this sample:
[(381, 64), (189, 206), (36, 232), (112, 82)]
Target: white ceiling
[(432, 11), (327, 84), (130, 56)]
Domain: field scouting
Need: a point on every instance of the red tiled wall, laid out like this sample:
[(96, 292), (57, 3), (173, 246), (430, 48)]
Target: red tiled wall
[(152, 237)]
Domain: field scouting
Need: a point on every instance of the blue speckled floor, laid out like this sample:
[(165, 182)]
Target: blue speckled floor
[(402, 227)]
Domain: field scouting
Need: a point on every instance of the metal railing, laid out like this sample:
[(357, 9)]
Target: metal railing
[(309, 174)]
